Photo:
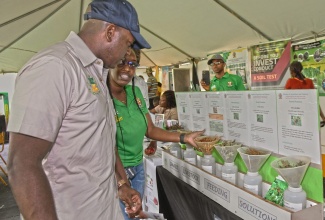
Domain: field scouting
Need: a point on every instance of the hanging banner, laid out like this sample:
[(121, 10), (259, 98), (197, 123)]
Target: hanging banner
[(312, 58), (270, 63), (237, 63), (165, 79)]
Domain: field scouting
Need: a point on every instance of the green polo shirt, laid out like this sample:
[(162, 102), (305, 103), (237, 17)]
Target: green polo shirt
[(131, 127), (227, 82)]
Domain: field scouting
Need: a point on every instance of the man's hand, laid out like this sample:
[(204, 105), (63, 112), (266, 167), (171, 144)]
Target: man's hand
[(205, 86), (134, 212), (131, 198)]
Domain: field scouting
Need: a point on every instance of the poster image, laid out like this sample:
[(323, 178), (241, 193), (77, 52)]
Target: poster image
[(312, 57), (270, 63), (159, 120), (237, 63)]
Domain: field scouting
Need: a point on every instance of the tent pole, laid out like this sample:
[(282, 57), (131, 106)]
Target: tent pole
[(167, 42), (243, 20)]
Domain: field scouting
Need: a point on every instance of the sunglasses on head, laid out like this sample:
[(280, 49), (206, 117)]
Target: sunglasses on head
[(131, 64)]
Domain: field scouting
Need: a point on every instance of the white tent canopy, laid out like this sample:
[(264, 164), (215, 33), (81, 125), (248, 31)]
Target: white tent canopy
[(178, 30)]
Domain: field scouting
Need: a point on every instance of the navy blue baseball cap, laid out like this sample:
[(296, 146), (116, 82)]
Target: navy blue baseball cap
[(120, 13)]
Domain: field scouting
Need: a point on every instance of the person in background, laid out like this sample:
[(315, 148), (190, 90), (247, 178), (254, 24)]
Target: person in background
[(152, 87), (134, 122), (60, 164), (299, 81), (156, 101), (222, 81), (167, 106), (159, 89), (139, 80)]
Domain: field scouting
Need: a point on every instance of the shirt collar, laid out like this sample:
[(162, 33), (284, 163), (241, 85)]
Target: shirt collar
[(226, 75), (85, 55)]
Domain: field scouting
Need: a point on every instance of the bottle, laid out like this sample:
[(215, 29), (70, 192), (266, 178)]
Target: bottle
[(175, 149), (253, 182), (294, 199), (229, 172), (183, 148), (208, 164), (190, 154)]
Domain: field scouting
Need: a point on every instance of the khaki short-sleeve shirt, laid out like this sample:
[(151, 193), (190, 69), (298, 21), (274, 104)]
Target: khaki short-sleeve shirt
[(61, 96)]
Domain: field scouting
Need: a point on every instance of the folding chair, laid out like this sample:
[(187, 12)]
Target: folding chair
[(2, 142)]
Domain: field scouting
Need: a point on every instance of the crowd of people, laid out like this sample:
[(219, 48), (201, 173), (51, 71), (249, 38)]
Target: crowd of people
[(79, 115)]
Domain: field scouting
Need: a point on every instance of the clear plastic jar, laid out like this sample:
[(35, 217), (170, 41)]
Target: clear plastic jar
[(229, 172), (175, 149), (190, 155), (253, 183), (208, 164), (294, 199)]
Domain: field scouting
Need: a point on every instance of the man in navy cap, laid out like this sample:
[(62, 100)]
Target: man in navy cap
[(222, 81), (62, 162)]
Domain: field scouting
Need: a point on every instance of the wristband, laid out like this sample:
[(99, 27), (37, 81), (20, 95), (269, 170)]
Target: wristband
[(120, 183), (181, 138)]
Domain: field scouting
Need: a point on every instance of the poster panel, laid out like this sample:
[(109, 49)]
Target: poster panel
[(298, 126), (263, 119), (215, 105), (199, 111), (312, 58), (270, 64), (236, 116), (184, 110)]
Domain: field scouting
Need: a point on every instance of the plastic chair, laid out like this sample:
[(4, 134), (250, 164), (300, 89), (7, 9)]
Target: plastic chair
[(2, 142)]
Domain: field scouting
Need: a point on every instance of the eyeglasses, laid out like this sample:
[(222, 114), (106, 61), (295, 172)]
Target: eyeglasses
[(216, 63), (131, 64)]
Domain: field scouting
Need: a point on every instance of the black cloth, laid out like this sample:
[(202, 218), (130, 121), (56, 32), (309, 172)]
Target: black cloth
[(179, 201), (2, 123), (151, 106)]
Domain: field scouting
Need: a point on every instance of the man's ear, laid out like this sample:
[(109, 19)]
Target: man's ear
[(110, 31)]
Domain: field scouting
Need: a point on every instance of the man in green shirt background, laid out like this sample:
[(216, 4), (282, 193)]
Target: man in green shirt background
[(222, 81)]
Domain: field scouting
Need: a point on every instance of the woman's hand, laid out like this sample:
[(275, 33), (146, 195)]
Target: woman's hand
[(151, 149), (189, 137)]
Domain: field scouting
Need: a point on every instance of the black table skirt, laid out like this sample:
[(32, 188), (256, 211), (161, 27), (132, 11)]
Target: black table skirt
[(180, 201)]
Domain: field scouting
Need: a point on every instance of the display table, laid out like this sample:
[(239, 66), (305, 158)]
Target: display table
[(180, 201)]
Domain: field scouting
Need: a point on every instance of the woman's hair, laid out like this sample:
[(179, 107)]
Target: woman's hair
[(170, 98), (297, 68)]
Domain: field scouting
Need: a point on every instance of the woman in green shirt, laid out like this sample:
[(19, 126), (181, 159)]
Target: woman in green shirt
[(133, 122)]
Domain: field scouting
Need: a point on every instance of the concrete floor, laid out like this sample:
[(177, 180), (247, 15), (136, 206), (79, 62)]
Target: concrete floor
[(8, 207)]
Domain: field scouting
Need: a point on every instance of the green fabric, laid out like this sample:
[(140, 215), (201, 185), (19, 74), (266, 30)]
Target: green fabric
[(228, 82), (312, 182), (133, 124)]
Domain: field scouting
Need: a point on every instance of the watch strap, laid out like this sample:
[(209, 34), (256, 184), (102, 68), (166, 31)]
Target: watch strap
[(181, 138)]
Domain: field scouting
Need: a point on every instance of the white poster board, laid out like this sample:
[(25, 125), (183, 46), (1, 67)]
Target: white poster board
[(263, 119), (298, 113)]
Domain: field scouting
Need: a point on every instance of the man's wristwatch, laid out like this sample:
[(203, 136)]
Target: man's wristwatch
[(120, 183)]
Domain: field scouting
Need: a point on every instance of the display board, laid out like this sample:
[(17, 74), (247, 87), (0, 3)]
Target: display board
[(284, 121)]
